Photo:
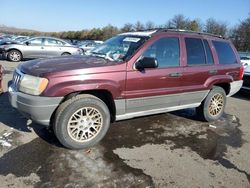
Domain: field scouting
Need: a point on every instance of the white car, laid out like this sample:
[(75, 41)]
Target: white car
[(86, 46), (245, 60)]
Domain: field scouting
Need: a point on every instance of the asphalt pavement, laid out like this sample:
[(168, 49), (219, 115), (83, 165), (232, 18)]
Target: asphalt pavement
[(166, 150)]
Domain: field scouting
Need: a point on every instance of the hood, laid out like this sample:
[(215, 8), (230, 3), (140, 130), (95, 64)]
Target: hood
[(40, 67)]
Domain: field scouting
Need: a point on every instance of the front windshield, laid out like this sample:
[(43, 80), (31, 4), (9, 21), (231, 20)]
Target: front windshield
[(119, 48)]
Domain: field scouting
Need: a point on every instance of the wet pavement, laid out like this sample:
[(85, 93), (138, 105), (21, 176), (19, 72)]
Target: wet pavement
[(171, 149)]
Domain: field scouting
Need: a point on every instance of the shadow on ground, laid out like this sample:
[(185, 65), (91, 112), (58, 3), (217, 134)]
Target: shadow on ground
[(10, 116), (100, 166), (242, 94)]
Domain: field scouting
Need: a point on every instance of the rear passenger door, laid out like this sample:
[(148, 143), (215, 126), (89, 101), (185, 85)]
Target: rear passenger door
[(53, 47), (199, 67), (156, 88)]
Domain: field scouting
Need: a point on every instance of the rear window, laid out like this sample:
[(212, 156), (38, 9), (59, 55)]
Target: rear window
[(195, 51), (225, 52)]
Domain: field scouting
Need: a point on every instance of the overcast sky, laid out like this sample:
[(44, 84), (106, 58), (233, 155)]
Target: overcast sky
[(61, 15)]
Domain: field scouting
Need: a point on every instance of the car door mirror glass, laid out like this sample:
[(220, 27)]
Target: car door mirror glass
[(27, 43), (146, 62)]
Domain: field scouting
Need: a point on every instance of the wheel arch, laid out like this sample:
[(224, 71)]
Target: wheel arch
[(105, 95), (16, 50)]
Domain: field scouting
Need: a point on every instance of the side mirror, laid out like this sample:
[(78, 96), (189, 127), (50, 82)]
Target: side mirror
[(146, 62), (27, 43)]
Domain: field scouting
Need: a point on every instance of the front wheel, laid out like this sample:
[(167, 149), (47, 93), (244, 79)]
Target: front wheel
[(14, 55), (81, 121), (212, 108)]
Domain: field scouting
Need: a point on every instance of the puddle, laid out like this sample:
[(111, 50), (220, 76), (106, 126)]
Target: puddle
[(101, 167), (59, 167)]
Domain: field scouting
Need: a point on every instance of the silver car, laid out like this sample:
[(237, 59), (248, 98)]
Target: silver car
[(38, 47)]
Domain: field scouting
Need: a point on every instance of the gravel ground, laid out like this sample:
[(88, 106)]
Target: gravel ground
[(171, 149)]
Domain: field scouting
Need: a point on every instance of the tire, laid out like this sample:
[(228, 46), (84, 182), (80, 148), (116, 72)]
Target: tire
[(79, 116), (211, 111), (65, 54), (14, 55)]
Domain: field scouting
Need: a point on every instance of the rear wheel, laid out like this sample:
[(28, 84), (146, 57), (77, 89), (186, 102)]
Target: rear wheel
[(81, 121), (65, 54), (212, 108), (14, 55)]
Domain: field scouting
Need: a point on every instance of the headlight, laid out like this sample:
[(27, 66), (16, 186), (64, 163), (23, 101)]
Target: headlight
[(33, 85)]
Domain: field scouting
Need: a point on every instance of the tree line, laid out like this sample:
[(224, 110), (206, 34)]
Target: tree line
[(239, 34)]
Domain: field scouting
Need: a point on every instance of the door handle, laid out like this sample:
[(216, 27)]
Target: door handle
[(42, 47), (212, 72), (176, 74)]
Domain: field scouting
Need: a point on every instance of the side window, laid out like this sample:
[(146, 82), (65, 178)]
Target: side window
[(60, 43), (225, 52), (36, 41), (166, 51), (210, 59), (51, 42), (195, 51)]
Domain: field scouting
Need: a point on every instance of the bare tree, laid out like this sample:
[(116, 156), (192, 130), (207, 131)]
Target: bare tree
[(241, 35), (127, 27), (139, 26), (178, 22), (150, 25), (215, 27)]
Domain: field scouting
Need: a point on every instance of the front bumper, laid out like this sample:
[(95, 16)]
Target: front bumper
[(37, 108), (3, 54)]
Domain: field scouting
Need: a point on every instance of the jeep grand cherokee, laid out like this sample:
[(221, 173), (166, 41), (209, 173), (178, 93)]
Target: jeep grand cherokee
[(130, 75)]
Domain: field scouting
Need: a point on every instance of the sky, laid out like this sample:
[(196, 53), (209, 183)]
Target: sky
[(64, 15)]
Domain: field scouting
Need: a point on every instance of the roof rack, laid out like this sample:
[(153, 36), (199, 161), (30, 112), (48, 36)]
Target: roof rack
[(187, 31)]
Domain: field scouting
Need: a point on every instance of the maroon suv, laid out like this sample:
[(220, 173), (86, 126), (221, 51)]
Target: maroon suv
[(130, 75)]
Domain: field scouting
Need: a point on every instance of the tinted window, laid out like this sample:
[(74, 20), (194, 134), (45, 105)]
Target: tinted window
[(225, 52), (36, 41), (166, 51), (210, 59), (195, 51)]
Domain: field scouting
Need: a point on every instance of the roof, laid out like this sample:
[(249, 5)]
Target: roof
[(188, 31), (150, 32)]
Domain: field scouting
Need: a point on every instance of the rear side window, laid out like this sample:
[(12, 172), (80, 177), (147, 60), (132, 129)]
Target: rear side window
[(195, 51), (225, 52), (210, 59)]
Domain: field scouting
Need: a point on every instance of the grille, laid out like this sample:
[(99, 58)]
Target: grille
[(16, 80), (246, 80)]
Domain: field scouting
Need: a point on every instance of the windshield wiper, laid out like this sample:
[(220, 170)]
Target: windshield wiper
[(98, 53), (102, 55)]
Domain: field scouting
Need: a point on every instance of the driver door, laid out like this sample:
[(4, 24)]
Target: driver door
[(34, 48), (159, 88)]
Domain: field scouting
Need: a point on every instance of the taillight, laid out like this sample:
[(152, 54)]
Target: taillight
[(241, 72)]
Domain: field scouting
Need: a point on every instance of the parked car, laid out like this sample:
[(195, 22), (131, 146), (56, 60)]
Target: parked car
[(39, 47), (87, 46), (5, 42), (1, 78), (245, 60), (246, 78), (20, 38), (130, 75)]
